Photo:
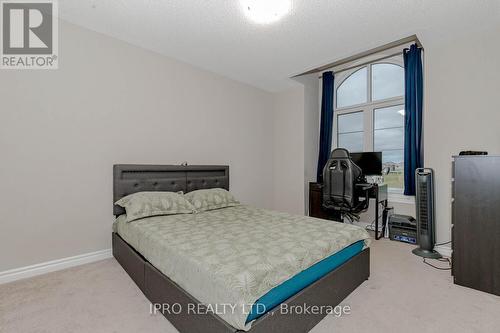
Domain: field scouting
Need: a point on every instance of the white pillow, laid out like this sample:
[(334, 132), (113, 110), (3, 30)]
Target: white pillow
[(210, 199), (145, 204)]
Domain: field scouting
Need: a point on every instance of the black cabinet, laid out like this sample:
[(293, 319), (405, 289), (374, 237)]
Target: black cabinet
[(476, 222)]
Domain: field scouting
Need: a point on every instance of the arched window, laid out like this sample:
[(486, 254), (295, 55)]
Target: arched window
[(387, 81), (369, 113), (353, 90)]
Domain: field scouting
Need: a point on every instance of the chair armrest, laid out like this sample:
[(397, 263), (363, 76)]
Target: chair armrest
[(364, 187)]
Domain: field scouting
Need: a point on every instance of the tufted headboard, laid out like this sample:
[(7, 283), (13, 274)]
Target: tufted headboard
[(131, 178)]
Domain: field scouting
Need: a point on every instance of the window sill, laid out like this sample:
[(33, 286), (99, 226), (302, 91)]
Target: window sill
[(401, 198)]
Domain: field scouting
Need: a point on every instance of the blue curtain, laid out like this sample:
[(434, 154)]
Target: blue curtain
[(325, 134), (413, 116)]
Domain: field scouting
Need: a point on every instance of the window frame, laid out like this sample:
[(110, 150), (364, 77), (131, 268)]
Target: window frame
[(367, 108), (338, 133)]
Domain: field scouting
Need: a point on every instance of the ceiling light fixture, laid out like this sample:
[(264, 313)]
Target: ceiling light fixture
[(266, 11)]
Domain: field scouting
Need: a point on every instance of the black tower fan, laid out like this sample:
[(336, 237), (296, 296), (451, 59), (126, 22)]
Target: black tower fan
[(424, 179)]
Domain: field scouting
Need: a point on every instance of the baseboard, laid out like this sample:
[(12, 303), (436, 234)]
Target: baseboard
[(54, 265), (444, 250)]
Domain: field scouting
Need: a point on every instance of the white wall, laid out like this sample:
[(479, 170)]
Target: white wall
[(109, 102), (461, 108), (296, 135), (311, 130), (288, 160)]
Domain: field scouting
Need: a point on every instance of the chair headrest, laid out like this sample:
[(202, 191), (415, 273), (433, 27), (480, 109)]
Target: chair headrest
[(339, 153)]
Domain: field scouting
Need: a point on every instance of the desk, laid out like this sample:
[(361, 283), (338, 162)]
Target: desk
[(377, 192)]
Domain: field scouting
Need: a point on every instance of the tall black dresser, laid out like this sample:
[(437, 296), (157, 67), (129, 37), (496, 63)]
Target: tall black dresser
[(476, 222)]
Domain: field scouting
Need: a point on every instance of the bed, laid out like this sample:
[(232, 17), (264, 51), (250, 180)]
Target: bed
[(170, 266)]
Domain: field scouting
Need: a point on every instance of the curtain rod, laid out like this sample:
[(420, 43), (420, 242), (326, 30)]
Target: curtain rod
[(402, 41)]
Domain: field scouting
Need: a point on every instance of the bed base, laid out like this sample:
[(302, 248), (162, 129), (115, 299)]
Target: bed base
[(159, 289)]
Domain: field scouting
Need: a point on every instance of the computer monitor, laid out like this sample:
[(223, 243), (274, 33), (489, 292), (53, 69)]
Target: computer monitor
[(369, 162)]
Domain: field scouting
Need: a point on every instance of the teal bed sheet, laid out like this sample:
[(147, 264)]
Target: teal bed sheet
[(305, 278)]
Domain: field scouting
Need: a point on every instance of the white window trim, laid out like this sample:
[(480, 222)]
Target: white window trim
[(395, 195)]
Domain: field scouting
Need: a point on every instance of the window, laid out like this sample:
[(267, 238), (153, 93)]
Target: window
[(387, 81), (350, 131), (388, 137), (353, 89), (369, 114)]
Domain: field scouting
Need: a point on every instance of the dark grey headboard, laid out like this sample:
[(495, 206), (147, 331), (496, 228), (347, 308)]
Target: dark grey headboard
[(131, 178)]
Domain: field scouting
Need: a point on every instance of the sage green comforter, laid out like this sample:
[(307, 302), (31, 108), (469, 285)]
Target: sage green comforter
[(235, 255)]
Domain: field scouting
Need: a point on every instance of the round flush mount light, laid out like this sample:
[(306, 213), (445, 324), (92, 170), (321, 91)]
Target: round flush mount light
[(266, 11)]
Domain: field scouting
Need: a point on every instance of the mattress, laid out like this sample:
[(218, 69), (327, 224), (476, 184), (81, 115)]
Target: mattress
[(236, 255)]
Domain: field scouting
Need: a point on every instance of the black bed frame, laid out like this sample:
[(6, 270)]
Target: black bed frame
[(159, 289)]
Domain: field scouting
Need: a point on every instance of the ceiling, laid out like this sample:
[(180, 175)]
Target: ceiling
[(215, 34)]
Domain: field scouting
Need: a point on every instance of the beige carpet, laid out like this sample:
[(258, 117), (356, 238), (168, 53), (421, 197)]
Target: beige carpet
[(403, 294)]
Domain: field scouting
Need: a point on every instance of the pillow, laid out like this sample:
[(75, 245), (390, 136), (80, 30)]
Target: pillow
[(210, 199), (144, 204)]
